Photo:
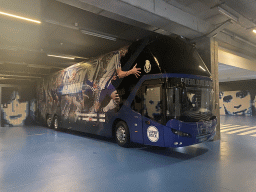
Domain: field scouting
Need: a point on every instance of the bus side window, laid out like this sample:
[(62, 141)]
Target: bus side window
[(137, 102), (153, 103)]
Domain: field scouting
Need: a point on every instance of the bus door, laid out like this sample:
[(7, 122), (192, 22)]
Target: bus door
[(153, 116)]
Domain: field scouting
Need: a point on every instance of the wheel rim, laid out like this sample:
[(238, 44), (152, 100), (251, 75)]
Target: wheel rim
[(120, 134), (49, 121), (56, 124)]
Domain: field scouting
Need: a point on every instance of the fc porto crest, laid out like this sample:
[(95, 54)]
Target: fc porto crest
[(147, 66)]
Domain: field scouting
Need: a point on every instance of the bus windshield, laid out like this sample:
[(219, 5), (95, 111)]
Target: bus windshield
[(177, 56), (189, 104)]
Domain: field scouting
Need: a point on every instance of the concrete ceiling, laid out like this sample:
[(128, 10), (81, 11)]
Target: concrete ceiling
[(24, 46), (229, 73)]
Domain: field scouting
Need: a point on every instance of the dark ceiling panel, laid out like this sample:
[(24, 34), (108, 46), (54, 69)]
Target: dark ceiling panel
[(245, 8), (24, 46), (27, 8), (56, 11), (19, 33)]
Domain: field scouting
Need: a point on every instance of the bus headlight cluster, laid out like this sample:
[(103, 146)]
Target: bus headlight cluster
[(177, 143), (180, 133)]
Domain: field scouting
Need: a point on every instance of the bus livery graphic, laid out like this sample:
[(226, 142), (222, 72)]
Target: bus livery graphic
[(157, 91)]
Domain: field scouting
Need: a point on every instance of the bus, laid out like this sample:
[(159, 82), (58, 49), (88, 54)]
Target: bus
[(163, 97)]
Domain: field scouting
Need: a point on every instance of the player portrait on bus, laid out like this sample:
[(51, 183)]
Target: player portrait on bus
[(110, 69)]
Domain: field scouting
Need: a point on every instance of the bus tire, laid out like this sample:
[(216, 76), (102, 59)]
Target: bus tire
[(122, 134), (48, 121), (55, 123)]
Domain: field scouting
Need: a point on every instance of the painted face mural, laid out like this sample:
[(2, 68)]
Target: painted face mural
[(32, 108), (15, 112), (221, 107), (237, 102)]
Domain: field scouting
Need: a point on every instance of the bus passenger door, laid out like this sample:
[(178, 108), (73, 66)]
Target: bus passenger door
[(152, 119), (135, 118)]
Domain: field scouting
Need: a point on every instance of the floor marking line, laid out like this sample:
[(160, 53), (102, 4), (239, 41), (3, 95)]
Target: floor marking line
[(247, 132), (241, 130), (228, 125), (39, 133), (234, 128)]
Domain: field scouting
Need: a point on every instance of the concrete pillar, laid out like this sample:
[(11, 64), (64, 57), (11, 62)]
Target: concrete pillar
[(0, 105), (208, 49)]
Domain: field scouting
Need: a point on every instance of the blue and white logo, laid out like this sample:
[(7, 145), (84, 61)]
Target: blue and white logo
[(153, 134), (147, 66)]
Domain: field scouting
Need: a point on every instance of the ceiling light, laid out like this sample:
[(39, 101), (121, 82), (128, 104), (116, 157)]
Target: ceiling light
[(19, 17), (229, 15), (104, 36), (13, 76), (63, 57), (254, 30), (77, 57), (202, 68)]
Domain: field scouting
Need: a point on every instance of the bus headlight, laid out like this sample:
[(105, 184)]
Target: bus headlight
[(180, 133)]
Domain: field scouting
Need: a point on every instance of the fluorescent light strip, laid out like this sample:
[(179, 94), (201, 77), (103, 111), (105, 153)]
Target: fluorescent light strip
[(98, 35), (63, 57), (202, 68), (81, 57), (229, 15), (19, 17)]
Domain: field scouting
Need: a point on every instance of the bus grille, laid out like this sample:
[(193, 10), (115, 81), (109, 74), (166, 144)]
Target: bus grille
[(192, 116)]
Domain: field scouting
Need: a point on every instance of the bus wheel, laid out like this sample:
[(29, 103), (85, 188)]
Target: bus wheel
[(55, 122), (49, 121), (122, 134)]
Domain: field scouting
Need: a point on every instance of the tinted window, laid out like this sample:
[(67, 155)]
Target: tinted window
[(177, 56)]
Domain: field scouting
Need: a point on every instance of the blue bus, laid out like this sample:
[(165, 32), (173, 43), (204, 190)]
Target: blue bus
[(157, 91)]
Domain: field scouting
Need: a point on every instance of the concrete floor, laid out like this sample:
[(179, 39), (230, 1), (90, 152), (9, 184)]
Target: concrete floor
[(40, 159)]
